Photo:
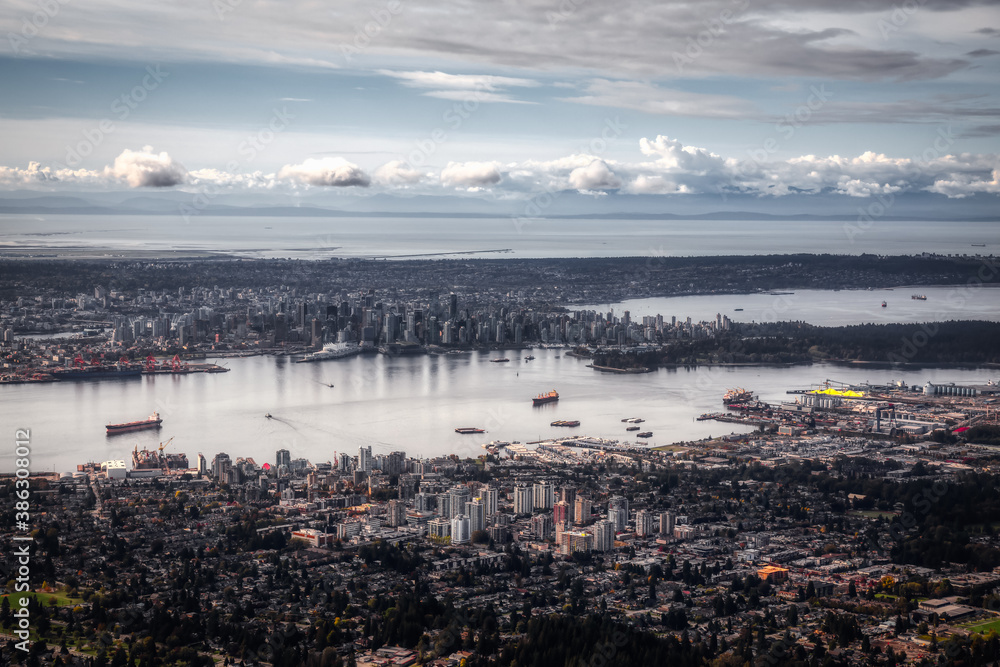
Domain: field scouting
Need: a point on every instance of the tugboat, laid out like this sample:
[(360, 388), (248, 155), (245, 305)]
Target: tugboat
[(884, 304)]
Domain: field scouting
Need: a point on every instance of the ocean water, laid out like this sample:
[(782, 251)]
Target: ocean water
[(314, 238)]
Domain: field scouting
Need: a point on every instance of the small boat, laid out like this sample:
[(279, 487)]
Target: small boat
[(738, 310), (978, 245), (884, 304), (470, 429), (268, 415), (529, 358)]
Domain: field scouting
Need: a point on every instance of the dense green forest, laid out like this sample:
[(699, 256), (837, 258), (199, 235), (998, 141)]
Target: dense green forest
[(972, 342)]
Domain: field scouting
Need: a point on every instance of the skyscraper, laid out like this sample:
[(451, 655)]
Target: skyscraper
[(282, 458), (667, 523), (544, 496), (644, 523), (618, 518), (476, 511), (561, 514), (491, 498), (604, 536), (365, 459), (397, 513), (458, 497), (460, 529), (522, 500)]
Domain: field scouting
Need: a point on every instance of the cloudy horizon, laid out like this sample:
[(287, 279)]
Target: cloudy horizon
[(767, 98)]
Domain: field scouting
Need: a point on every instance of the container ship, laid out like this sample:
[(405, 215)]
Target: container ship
[(738, 395), (153, 421), (542, 399), (469, 430)]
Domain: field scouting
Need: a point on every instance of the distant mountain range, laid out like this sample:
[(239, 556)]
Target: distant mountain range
[(567, 204)]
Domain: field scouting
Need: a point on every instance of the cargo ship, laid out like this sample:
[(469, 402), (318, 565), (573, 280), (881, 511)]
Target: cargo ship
[(563, 422), (738, 395), (632, 428), (97, 372), (542, 399), (919, 297), (153, 421), (469, 430), (499, 361), (644, 434)]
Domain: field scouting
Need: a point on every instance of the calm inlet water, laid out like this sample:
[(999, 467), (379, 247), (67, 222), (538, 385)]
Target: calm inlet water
[(412, 404)]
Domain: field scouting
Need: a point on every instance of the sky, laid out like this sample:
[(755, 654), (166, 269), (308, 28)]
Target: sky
[(501, 100)]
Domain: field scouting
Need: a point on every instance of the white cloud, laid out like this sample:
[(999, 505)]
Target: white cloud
[(397, 173), (464, 87), (663, 165), (470, 174), (147, 169), (595, 176), (328, 171), (443, 81), (256, 180)]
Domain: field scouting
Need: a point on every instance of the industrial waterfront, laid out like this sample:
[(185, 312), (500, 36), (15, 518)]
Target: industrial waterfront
[(413, 403)]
